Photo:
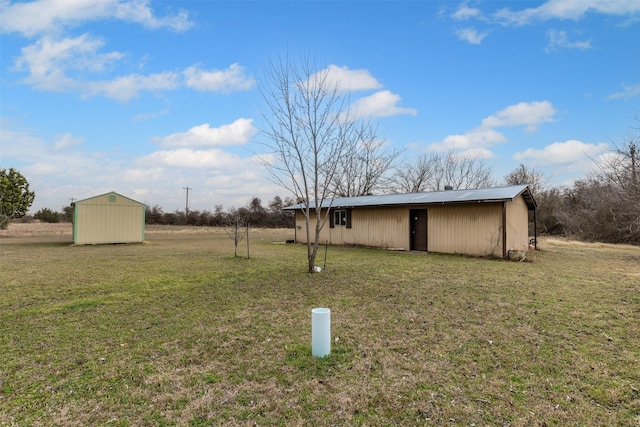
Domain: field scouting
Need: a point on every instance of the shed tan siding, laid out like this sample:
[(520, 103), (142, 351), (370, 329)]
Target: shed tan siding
[(517, 225), (109, 218), (385, 227), (472, 229), (462, 228)]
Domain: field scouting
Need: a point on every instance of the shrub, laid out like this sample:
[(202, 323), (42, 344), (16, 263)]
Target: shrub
[(47, 215)]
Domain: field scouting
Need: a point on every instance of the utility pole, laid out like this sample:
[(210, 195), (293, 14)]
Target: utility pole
[(186, 206)]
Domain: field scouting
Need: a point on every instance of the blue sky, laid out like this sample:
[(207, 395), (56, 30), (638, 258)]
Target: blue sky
[(148, 97)]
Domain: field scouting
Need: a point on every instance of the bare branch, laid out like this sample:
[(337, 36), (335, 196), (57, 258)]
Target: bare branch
[(309, 132), (435, 172)]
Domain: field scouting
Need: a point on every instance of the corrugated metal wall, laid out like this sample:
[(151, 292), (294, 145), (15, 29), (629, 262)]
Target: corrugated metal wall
[(109, 218), (517, 225), (380, 227), (470, 228)]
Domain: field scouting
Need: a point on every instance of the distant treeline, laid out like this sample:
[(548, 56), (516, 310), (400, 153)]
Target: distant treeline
[(604, 206), (254, 214)]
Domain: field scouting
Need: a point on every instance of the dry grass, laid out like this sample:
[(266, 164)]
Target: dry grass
[(48, 232), (179, 332)]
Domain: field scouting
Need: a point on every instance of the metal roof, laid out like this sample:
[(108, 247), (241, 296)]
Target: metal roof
[(479, 195)]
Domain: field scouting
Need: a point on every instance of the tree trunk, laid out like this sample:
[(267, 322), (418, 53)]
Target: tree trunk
[(312, 261)]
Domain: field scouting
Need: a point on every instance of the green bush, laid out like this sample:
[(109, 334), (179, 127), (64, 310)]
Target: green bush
[(47, 215)]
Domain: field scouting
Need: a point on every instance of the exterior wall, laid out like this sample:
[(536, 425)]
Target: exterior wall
[(472, 229), (469, 228), (109, 218), (517, 225), (384, 227)]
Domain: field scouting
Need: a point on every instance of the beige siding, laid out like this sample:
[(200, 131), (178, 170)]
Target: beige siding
[(386, 227), (517, 225), (110, 218), (379, 227), (472, 229)]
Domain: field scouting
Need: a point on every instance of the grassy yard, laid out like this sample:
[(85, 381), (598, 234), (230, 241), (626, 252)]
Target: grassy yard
[(176, 331)]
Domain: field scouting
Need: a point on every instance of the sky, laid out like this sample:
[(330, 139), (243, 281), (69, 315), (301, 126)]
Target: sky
[(148, 98)]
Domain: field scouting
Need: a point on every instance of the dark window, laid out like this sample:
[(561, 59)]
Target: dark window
[(340, 218), (112, 198)]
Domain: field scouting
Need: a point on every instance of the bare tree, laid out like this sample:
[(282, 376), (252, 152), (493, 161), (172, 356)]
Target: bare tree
[(364, 170), (621, 168), (524, 175), (460, 171), (309, 130), (415, 177), (617, 190), (435, 172), (605, 206), (238, 230)]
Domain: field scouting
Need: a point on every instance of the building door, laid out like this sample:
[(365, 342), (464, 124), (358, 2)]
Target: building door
[(418, 224)]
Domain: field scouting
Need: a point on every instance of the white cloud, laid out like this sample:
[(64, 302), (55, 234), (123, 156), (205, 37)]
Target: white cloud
[(213, 158), (150, 115), (216, 176), (130, 86), (380, 104), (237, 133), (66, 140), (66, 65), (465, 12), (139, 11), (572, 154), (48, 59), (563, 9), (229, 80), (144, 175), (529, 114), (20, 144), (629, 92), (478, 140), (474, 139), (48, 161), (346, 79), (49, 62), (42, 169), (471, 35), (57, 63), (477, 153), (52, 16), (559, 40)]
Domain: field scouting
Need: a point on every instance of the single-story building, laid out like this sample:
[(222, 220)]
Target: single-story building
[(479, 222), (108, 218)]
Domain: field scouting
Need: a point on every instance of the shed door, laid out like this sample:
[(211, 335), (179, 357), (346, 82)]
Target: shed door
[(418, 224)]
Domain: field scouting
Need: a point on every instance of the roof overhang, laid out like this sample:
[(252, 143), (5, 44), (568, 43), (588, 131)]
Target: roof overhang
[(447, 197)]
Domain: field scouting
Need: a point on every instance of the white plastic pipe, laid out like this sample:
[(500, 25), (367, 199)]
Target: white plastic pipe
[(320, 332)]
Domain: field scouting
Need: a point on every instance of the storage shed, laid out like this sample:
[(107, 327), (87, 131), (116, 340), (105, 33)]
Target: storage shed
[(108, 218), (479, 222)]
